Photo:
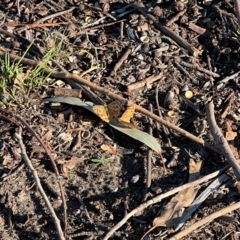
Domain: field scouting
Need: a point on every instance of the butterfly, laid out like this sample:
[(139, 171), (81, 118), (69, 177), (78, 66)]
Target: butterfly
[(112, 112)]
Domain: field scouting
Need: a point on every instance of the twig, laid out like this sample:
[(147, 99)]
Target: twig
[(182, 42), (237, 8), (205, 220), (149, 160), (226, 79), (165, 129), (120, 62), (195, 81), (14, 172), (175, 18), (55, 15), (38, 183), (101, 25), (70, 77), (200, 199), (162, 196), (144, 82), (122, 30), (197, 29), (230, 101), (185, 64), (221, 141), (54, 166), (34, 25)]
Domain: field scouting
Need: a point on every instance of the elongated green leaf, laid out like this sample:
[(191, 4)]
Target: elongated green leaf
[(125, 128)]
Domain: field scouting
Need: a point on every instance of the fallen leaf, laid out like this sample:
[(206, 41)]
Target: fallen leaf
[(230, 135), (73, 162), (123, 127), (48, 135), (109, 149), (175, 208), (65, 166)]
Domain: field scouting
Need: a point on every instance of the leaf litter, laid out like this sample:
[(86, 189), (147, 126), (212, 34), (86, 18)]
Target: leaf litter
[(115, 46)]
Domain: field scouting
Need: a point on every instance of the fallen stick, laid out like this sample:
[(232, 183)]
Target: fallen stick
[(205, 221), (221, 140), (146, 82), (70, 78), (237, 9), (182, 42), (38, 183), (162, 196)]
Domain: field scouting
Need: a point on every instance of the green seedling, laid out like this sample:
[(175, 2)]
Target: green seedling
[(235, 35), (103, 161)]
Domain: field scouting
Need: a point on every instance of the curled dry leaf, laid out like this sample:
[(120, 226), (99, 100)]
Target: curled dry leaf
[(230, 135), (48, 135), (109, 149), (70, 164), (175, 208)]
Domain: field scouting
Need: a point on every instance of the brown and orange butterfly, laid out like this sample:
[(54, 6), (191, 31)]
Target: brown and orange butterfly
[(112, 112)]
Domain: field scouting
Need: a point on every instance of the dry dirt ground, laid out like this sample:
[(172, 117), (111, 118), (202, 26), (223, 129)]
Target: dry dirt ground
[(114, 45)]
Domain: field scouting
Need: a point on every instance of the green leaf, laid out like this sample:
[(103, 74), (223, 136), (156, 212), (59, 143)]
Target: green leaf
[(125, 128)]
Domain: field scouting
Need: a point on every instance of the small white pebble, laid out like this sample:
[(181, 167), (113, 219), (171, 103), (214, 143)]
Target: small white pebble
[(134, 179)]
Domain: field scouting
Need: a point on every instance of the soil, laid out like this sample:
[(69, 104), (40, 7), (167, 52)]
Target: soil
[(93, 37)]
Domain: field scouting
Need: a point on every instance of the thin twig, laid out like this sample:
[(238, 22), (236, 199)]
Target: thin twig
[(55, 15), (175, 18), (54, 166), (237, 9), (14, 172), (70, 77), (149, 160), (120, 62), (34, 25), (205, 220), (101, 25), (197, 29), (182, 42), (162, 196), (38, 183), (147, 82), (195, 81), (226, 79), (221, 141), (185, 64), (165, 129)]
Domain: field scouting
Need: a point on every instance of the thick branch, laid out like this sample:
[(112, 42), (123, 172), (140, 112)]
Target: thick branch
[(221, 142)]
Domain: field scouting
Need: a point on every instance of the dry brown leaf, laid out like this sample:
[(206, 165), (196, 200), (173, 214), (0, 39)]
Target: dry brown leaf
[(73, 162), (175, 208), (109, 149), (230, 135), (48, 135), (234, 151), (65, 166), (7, 159)]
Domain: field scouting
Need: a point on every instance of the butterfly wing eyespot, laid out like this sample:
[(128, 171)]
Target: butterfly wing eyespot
[(114, 110), (128, 114), (101, 112)]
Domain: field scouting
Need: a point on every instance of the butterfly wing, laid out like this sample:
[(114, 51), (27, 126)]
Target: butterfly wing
[(128, 114), (101, 111)]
